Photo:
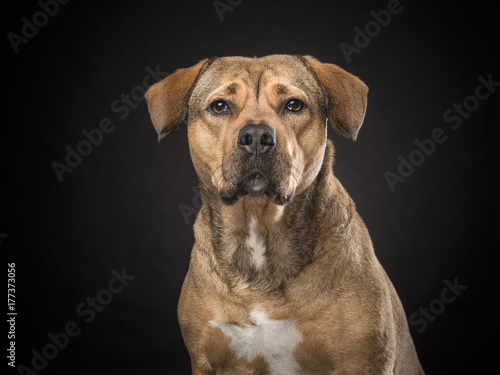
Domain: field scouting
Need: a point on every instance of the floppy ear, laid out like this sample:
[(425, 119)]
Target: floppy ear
[(346, 96), (167, 99)]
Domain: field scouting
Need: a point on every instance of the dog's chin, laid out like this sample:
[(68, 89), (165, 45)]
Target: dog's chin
[(256, 185)]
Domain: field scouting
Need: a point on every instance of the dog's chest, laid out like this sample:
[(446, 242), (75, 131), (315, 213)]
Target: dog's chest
[(272, 340)]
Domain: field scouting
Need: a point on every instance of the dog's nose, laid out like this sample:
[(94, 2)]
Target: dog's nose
[(256, 139)]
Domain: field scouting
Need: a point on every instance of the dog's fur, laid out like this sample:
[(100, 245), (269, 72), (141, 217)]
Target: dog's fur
[(283, 278)]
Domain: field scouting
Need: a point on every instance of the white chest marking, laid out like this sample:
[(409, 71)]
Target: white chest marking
[(258, 248), (274, 340)]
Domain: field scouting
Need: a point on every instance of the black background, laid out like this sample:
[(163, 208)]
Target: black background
[(120, 206)]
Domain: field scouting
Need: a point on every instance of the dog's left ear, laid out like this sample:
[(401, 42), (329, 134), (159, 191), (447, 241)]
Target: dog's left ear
[(346, 96), (167, 99)]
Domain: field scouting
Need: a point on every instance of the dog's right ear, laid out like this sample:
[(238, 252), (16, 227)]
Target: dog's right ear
[(167, 99), (346, 96)]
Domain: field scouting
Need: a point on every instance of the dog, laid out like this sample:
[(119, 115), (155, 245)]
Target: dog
[(283, 278)]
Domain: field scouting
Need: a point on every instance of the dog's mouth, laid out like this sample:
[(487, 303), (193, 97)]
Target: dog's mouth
[(256, 184), (266, 177)]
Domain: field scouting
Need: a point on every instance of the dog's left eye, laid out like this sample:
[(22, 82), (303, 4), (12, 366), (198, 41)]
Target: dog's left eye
[(219, 106), (294, 105)]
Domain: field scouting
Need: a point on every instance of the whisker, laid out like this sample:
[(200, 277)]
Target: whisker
[(221, 175), (297, 169), (217, 178), (215, 170)]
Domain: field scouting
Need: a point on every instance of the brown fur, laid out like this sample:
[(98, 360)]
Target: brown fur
[(320, 267)]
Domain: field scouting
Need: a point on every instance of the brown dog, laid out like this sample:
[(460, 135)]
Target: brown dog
[(283, 278)]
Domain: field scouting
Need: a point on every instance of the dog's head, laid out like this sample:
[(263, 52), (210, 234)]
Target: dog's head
[(258, 125)]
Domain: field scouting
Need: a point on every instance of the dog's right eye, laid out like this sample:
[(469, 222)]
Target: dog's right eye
[(219, 106), (294, 105)]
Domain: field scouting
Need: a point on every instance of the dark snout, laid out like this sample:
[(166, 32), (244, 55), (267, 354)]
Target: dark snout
[(256, 140), (257, 168)]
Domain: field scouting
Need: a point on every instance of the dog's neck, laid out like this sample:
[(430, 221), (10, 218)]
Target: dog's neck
[(265, 246)]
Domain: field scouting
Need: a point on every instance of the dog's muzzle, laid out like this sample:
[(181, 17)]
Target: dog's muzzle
[(255, 142), (256, 168)]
